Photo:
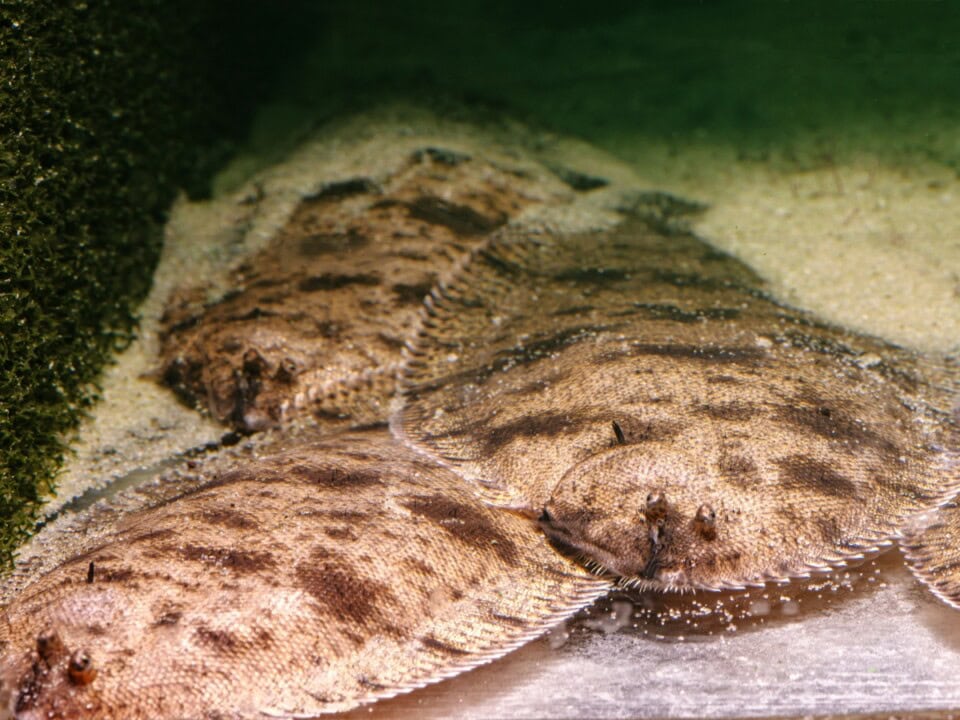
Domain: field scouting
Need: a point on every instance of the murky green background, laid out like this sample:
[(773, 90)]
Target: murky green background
[(877, 75)]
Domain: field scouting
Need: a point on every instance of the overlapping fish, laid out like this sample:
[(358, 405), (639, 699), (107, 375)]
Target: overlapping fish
[(567, 412)]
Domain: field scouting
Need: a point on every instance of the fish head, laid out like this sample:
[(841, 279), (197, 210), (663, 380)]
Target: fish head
[(652, 518)]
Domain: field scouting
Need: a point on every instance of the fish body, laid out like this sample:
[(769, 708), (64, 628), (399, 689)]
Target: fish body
[(569, 411)]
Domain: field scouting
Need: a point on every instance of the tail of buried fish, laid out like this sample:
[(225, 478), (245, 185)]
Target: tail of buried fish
[(931, 542)]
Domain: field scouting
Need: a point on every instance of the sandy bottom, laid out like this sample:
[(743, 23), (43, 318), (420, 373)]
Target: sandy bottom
[(867, 243), (870, 245)]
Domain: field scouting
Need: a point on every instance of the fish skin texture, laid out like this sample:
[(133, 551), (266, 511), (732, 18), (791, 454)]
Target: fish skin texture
[(337, 572), (931, 541), (575, 410), (753, 442), (316, 320)]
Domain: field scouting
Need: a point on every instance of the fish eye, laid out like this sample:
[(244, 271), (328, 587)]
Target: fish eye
[(81, 670), (656, 508), (705, 521), (49, 645), (705, 513)]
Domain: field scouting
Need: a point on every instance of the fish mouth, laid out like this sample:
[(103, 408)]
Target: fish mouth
[(595, 558)]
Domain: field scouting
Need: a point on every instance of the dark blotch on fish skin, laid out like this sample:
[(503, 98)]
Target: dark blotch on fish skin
[(552, 424), (412, 294), (262, 638), (275, 298), (537, 386), (593, 275), (168, 618), (324, 243), (808, 472), (465, 523), (238, 561), (732, 411), (548, 424), (151, 536), (720, 355), (461, 219), (391, 341), (825, 422), (531, 352), (891, 482), (340, 533), (724, 380), (334, 477), (220, 640), (661, 311), (348, 515), (331, 281), (442, 156), (738, 470), (576, 180), (332, 330), (639, 430), (681, 280), (829, 528), (575, 310), (326, 414), (253, 314), (545, 346), (415, 565), (342, 189), (228, 518), (253, 473), (502, 266), (656, 207), (107, 574), (176, 328), (509, 620), (443, 648), (341, 593)]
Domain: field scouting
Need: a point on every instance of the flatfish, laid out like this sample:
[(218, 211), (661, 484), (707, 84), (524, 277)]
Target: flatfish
[(674, 424), (569, 412), (313, 323), (340, 571)]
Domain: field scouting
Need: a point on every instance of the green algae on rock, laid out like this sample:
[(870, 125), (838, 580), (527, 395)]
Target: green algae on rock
[(99, 125)]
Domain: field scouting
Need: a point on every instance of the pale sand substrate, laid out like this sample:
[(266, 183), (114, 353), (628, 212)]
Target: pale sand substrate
[(868, 245)]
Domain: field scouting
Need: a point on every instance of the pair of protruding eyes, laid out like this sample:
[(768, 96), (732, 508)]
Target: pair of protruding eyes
[(80, 669), (705, 521), (655, 511)]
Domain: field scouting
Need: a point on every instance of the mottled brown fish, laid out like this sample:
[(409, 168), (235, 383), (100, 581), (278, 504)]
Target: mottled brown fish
[(629, 401), (315, 321), (674, 424), (341, 571)]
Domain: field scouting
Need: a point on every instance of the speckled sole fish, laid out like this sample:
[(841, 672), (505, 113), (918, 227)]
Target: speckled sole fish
[(636, 390), (334, 573), (315, 322), (674, 425)]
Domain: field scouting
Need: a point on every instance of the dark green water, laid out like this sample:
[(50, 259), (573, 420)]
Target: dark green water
[(868, 74)]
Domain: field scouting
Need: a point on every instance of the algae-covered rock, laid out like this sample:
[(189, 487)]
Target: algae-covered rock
[(100, 122)]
